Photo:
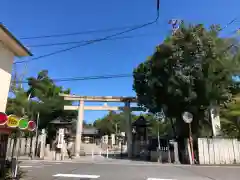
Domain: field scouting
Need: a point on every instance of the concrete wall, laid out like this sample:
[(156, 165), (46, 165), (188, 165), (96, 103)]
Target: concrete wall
[(6, 60), (219, 151)]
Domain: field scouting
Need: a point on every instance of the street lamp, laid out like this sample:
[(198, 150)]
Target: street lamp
[(188, 118)]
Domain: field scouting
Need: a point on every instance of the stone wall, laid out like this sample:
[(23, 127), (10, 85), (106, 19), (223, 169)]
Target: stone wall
[(218, 151), (24, 146)]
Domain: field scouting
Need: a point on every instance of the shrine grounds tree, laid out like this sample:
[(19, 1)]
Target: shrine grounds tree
[(45, 99), (230, 118), (41, 96), (113, 122), (189, 71)]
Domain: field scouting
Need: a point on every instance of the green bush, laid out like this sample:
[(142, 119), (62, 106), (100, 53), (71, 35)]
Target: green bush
[(8, 173)]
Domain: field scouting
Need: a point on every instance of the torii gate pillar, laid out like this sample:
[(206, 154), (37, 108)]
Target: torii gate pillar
[(128, 123), (78, 139)]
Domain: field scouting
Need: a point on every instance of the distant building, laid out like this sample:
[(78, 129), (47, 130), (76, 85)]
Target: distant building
[(90, 135)]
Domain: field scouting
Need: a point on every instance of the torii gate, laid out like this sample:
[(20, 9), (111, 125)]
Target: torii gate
[(127, 109)]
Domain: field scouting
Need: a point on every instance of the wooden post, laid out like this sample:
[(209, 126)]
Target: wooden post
[(191, 143)]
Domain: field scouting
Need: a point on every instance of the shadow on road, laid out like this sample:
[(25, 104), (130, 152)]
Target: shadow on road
[(124, 156)]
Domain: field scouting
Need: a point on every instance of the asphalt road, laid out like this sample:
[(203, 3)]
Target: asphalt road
[(130, 171)]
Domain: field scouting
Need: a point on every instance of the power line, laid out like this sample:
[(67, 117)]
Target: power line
[(87, 31), (84, 41), (229, 23), (96, 40), (113, 76), (80, 33)]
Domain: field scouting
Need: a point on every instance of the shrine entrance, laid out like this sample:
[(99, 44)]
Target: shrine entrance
[(127, 109)]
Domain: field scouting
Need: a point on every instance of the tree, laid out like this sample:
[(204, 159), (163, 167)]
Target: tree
[(44, 94), (190, 71), (18, 104), (111, 123), (230, 119), (115, 122)]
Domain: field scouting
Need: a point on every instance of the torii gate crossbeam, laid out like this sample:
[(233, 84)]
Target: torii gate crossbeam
[(80, 108)]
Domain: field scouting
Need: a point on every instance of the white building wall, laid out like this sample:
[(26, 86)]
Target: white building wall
[(6, 60)]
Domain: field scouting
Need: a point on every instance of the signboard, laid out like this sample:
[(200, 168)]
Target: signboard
[(12, 121), (187, 117), (60, 138), (31, 125), (7, 123), (216, 125), (3, 118), (23, 124)]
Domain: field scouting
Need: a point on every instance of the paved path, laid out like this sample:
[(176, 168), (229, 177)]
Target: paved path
[(37, 170)]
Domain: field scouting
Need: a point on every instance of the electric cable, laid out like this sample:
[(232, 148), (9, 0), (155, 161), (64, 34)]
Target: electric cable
[(84, 41), (79, 33), (112, 76), (96, 40)]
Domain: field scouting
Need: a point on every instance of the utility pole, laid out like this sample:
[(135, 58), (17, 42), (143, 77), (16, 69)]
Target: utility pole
[(36, 142), (116, 128), (22, 75)]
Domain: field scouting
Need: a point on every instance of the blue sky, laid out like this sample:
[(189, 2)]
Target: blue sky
[(33, 18)]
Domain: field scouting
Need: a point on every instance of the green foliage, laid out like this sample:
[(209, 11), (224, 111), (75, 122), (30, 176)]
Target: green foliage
[(115, 122), (46, 100), (18, 103), (42, 96), (8, 174), (111, 123), (230, 119), (188, 72)]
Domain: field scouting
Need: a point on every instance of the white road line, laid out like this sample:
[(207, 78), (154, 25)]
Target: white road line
[(77, 176), (25, 166), (159, 179)]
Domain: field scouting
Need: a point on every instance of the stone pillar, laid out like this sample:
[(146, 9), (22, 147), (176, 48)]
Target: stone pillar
[(106, 139), (78, 139), (113, 139), (23, 145), (127, 113), (176, 155), (42, 144)]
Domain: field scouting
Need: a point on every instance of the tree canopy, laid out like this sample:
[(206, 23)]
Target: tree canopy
[(189, 71), (41, 96), (230, 117), (115, 122)]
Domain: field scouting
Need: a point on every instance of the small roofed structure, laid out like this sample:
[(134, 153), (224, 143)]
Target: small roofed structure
[(59, 121), (90, 131), (90, 135), (11, 42)]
